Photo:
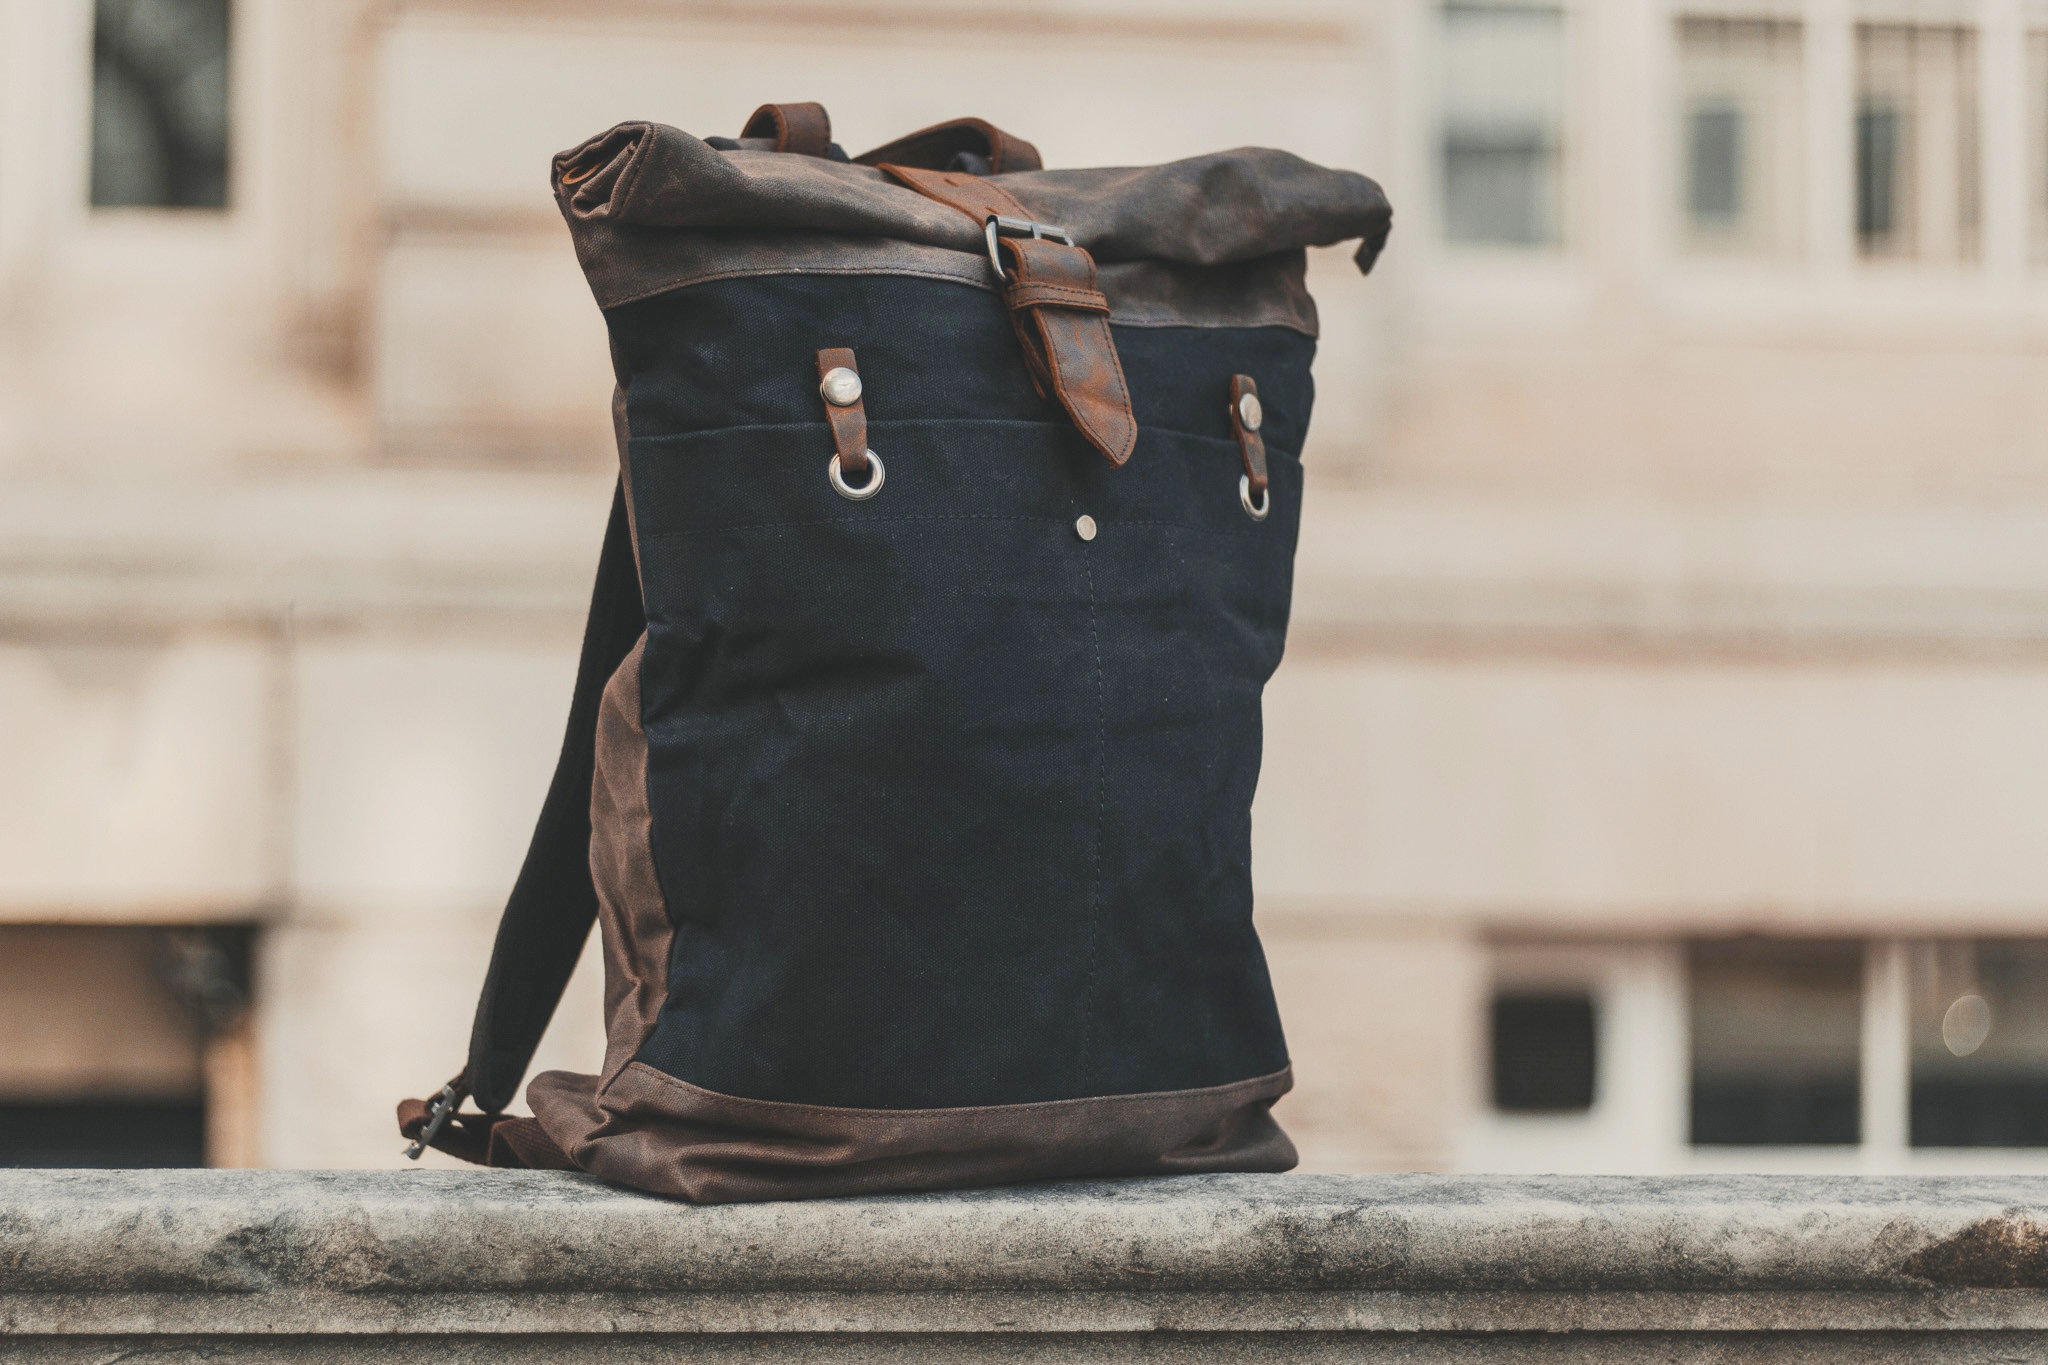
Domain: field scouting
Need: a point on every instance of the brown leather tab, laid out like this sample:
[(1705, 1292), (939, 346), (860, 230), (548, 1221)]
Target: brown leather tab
[(934, 148), (849, 420), (1062, 321), (1245, 420), (805, 129), (1060, 316)]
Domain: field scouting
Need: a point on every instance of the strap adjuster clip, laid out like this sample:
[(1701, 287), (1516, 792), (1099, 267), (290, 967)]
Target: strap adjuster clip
[(999, 226), (439, 1110)]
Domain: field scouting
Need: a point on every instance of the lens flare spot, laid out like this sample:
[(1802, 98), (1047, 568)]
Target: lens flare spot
[(1966, 1025)]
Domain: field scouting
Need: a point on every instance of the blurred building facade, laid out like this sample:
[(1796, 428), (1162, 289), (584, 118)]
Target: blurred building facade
[(1658, 776)]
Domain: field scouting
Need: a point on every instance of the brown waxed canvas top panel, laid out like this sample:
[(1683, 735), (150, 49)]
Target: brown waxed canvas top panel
[(627, 191)]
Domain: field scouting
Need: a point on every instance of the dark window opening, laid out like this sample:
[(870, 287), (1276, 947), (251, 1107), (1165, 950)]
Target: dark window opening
[(103, 1133), (1504, 100), (127, 1045), (1543, 1053), (1777, 1030), (1714, 189), (160, 104), (1878, 144), (1980, 1044)]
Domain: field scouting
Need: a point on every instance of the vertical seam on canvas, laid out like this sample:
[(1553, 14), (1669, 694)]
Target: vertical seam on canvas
[(1090, 1069)]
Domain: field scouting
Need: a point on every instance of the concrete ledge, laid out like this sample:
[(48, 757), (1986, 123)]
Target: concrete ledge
[(515, 1266)]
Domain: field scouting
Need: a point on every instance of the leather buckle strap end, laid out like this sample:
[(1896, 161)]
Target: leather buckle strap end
[(1061, 318)]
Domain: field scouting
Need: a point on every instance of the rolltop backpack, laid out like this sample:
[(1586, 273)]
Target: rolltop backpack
[(910, 764)]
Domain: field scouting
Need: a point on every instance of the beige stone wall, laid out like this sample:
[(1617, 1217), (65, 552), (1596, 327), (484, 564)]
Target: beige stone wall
[(1639, 596)]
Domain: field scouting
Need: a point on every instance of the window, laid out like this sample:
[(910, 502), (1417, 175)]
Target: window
[(1740, 140), (1776, 1042), (1503, 140), (125, 1047), (1979, 1044), (1917, 180), (1543, 1059), (160, 104)]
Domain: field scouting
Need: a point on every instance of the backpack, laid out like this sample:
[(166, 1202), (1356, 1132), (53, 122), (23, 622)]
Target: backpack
[(910, 764)]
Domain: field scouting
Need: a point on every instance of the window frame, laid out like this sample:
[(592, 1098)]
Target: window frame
[(1639, 1120)]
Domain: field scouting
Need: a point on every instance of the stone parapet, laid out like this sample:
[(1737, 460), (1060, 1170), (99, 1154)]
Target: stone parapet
[(332, 1266)]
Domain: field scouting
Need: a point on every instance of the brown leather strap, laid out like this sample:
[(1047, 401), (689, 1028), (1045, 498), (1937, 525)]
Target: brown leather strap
[(1245, 420), (849, 420), (487, 1139), (934, 148), (805, 129), (972, 195), (1061, 318)]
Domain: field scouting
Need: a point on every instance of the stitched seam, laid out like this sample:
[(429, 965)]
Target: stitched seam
[(1092, 1004), (686, 281), (1056, 295), (1135, 318), (1250, 1083), (899, 423), (855, 517)]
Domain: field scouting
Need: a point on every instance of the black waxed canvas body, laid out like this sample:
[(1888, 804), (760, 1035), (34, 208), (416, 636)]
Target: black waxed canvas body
[(951, 807), (921, 824)]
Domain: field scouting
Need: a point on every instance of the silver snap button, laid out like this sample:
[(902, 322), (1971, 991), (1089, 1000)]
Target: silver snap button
[(1249, 413), (1084, 527), (840, 387)]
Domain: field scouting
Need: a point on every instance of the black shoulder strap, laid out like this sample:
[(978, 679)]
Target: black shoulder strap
[(553, 903)]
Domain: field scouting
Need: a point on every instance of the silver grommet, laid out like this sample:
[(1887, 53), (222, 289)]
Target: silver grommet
[(866, 490), (1084, 526), (1244, 495), (1249, 413), (840, 387)]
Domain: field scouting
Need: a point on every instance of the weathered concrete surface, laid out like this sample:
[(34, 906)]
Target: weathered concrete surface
[(318, 1266)]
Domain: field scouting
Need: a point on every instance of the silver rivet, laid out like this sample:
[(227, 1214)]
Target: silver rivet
[(840, 387), (1084, 527), (1249, 413)]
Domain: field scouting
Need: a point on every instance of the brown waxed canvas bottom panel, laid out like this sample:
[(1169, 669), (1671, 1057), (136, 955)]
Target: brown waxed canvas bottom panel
[(650, 1130)]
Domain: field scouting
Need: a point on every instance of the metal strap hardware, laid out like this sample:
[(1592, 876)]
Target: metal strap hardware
[(439, 1110), (999, 226)]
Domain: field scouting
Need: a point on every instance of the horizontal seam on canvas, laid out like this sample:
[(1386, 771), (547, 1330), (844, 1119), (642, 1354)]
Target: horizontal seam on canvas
[(903, 422), (1108, 522), (675, 285), (1116, 318), (1249, 1083)]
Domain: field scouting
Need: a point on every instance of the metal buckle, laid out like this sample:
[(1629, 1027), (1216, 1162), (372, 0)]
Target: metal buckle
[(439, 1110), (1019, 227)]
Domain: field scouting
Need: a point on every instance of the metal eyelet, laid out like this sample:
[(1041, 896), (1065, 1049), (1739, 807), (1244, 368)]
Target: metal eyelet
[(1244, 495), (866, 490)]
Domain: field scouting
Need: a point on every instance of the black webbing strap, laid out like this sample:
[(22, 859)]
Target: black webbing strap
[(553, 903)]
